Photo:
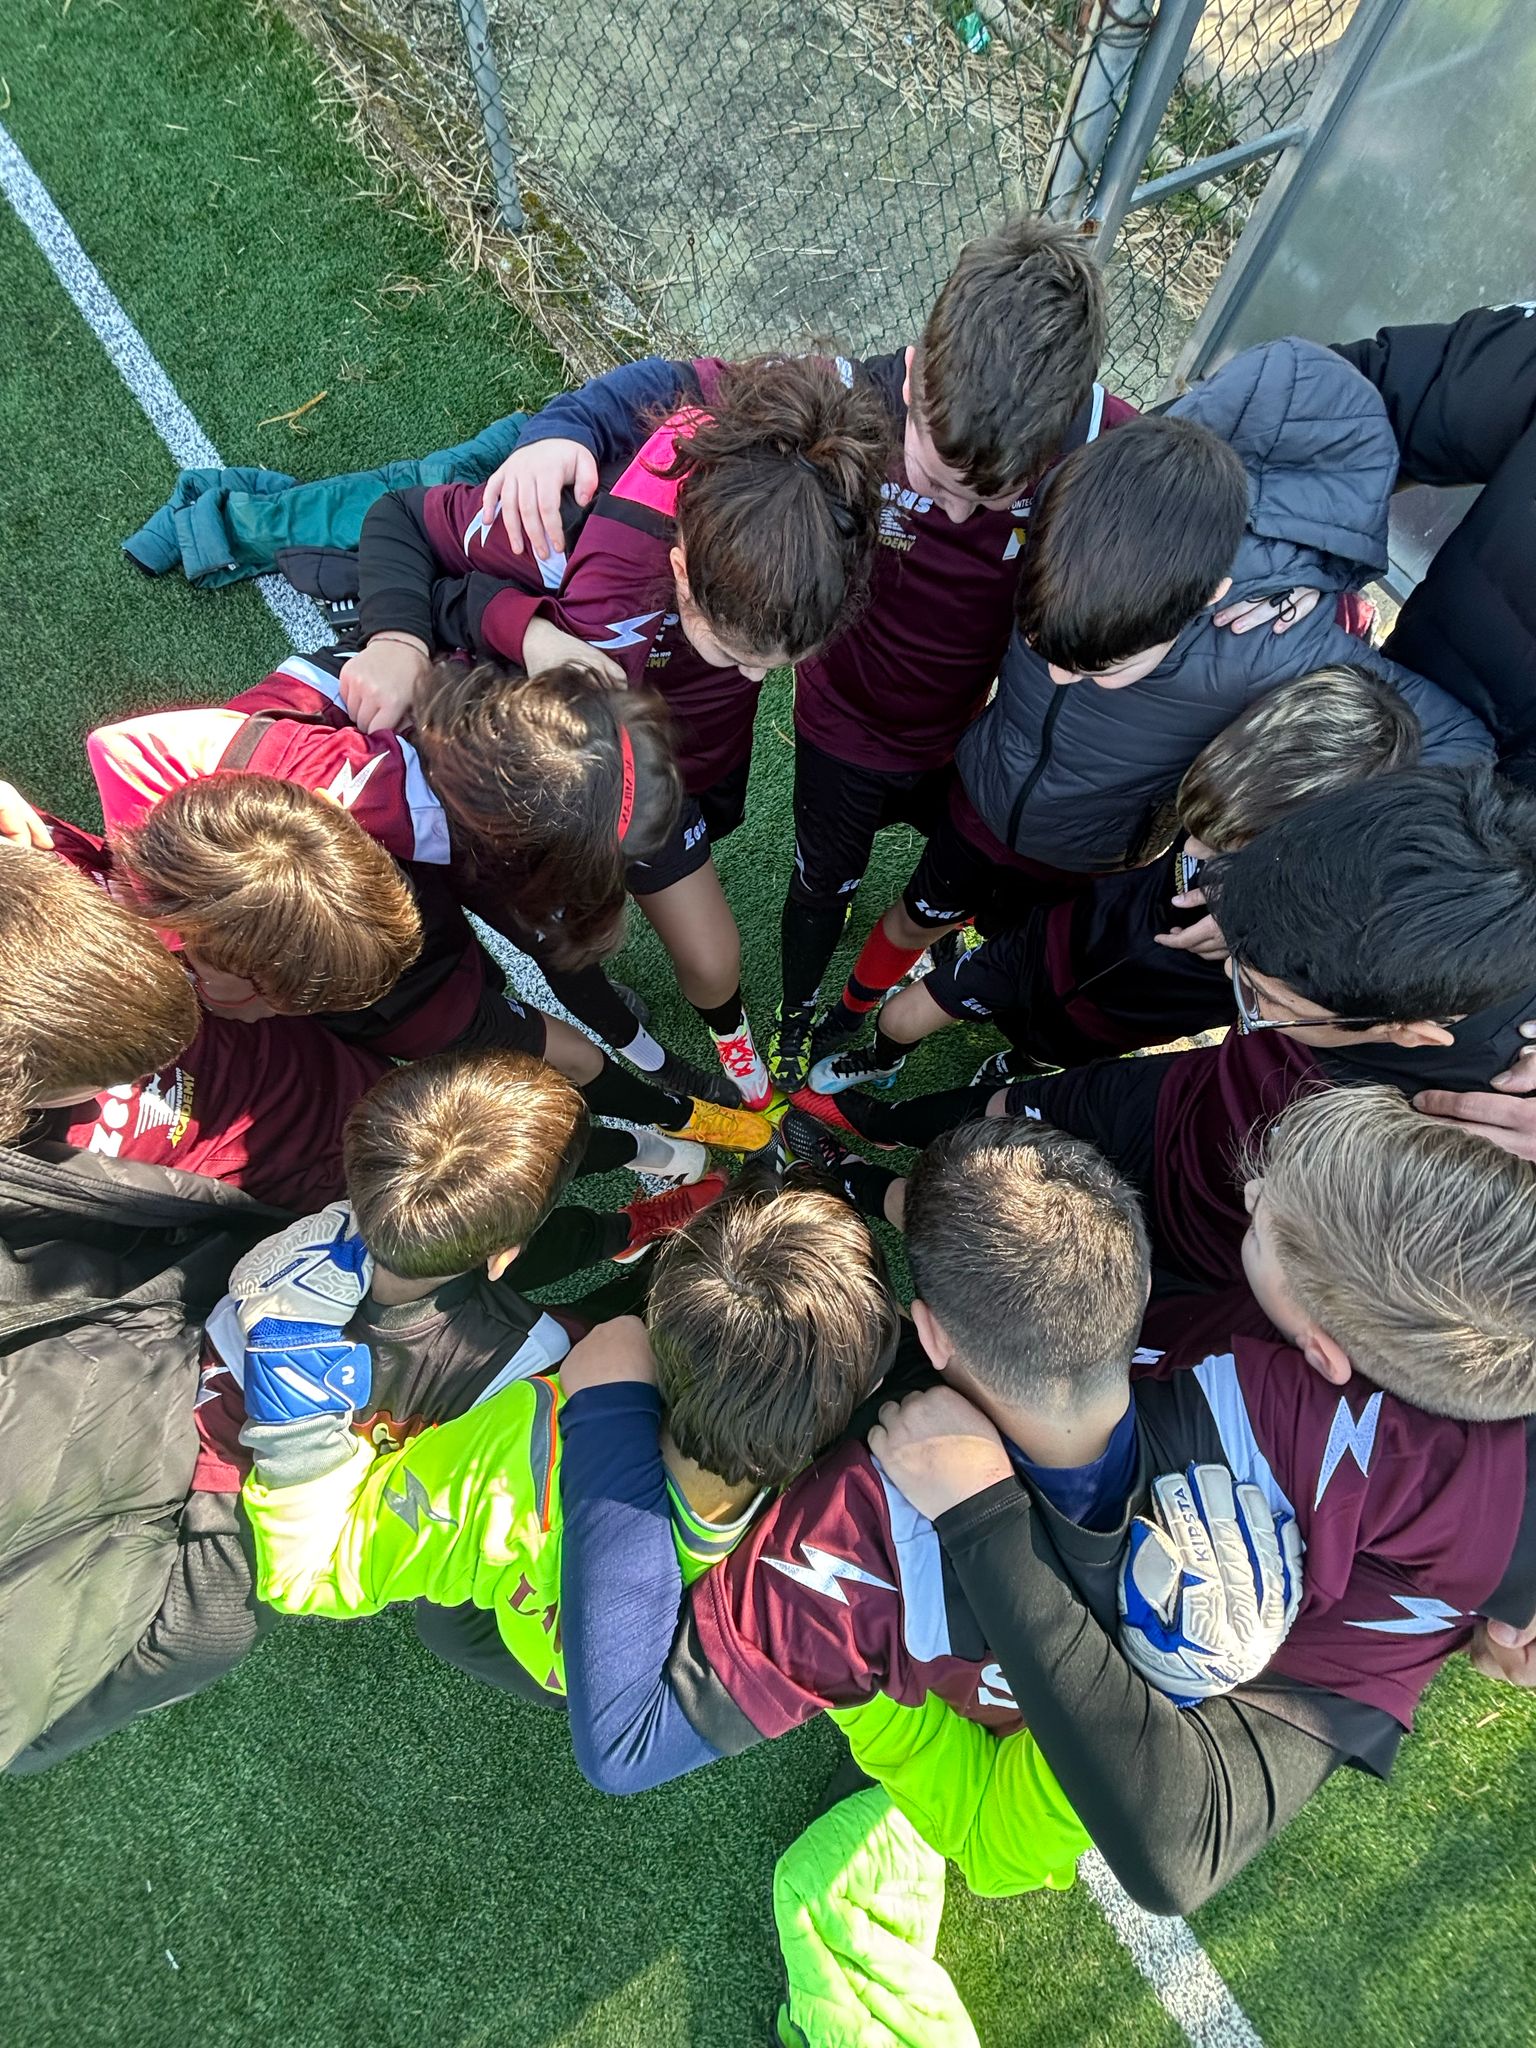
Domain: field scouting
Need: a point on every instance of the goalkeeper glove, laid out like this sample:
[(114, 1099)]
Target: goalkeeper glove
[(294, 1294), (1209, 1590)]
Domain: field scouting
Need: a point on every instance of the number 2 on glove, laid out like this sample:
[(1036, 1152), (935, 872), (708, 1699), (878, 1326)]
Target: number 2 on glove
[(1210, 1587)]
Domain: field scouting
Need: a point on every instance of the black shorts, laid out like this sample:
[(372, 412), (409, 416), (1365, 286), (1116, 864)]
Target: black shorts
[(1004, 977), (957, 880), (838, 810), (711, 816)]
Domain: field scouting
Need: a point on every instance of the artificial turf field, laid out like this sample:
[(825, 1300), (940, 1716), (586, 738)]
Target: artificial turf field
[(346, 1842)]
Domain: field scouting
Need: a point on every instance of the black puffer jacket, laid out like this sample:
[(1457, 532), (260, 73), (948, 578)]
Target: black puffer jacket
[(1073, 775), (106, 1272), (1461, 398)]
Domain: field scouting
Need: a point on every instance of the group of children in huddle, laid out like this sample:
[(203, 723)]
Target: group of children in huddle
[(1205, 1436)]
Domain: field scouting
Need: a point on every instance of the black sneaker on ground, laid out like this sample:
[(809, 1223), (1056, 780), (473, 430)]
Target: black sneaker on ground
[(704, 1083), (789, 1046)]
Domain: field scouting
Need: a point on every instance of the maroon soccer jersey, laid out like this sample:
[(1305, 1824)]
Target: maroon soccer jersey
[(899, 687), (260, 1105), (1411, 1521), (291, 725), (1414, 1525), (618, 594)]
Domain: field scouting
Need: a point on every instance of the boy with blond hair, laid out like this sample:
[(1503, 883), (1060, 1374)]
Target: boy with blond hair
[(769, 1314)]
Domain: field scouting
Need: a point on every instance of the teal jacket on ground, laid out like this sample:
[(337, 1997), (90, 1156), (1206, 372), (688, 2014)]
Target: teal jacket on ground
[(222, 525)]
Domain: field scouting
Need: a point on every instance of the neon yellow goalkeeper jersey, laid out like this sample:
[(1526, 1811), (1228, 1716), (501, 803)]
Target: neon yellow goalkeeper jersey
[(468, 1511)]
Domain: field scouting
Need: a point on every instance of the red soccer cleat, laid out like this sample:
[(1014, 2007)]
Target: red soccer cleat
[(653, 1217), (825, 1110)]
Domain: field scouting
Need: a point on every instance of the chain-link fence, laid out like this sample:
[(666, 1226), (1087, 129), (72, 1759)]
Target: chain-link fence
[(736, 176)]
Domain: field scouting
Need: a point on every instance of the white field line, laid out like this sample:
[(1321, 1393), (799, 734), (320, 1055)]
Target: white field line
[(134, 362), (1164, 1951), (1187, 1984), (189, 446)]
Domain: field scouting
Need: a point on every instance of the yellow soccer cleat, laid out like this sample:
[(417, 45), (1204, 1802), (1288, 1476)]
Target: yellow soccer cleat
[(728, 1130)]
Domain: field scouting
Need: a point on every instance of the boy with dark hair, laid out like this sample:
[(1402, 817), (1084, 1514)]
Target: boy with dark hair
[(1068, 764), (1102, 972), (771, 1321), (1000, 382), (1382, 933), (843, 1591)]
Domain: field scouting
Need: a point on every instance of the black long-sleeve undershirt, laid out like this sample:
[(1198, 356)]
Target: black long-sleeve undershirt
[(1178, 1800)]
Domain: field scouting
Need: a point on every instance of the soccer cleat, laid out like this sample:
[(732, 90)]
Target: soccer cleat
[(823, 1110), (738, 1056), (853, 1070), (1010, 1065), (653, 1217), (835, 1030), (682, 1077), (789, 1047), (671, 1159), (810, 1143), (730, 1130)]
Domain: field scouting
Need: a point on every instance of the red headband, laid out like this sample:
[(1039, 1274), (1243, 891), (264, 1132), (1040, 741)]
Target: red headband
[(627, 795)]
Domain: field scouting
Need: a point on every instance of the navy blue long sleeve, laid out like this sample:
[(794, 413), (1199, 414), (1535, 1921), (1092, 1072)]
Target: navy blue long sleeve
[(621, 1589), (607, 414)]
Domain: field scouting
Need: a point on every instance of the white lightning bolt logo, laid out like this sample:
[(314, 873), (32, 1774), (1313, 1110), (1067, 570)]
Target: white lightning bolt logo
[(1420, 1617), (1348, 1437), (822, 1572), (349, 782), (626, 632)]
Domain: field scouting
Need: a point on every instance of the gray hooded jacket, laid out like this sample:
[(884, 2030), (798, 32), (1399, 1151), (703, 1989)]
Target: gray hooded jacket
[(1074, 775)]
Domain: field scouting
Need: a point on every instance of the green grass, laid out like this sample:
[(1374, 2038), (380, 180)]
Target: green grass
[(346, 1842)]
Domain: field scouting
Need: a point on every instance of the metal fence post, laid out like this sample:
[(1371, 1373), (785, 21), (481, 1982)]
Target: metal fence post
[(1106, 59), (1162, 61), (493, 115)]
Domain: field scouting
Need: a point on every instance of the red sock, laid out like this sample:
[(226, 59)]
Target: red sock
[(878, 969)]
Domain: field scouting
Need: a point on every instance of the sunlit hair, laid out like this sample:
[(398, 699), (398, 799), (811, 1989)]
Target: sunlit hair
[(530, 770), (1008, 355), (89, 998), (1031, 1251), (268, 880), (458, 1157), (770, 1319), (1413, 1244), (1322, 732)]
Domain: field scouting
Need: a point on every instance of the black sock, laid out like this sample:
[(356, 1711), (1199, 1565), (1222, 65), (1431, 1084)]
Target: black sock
[(590, 996), (808, 936), (724, 1018), (865, 1185), (617, 1093), (918, 1120), (606, 1150), (888, 1052)]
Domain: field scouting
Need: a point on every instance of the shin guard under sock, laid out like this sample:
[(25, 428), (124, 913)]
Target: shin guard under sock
[(808, 936)]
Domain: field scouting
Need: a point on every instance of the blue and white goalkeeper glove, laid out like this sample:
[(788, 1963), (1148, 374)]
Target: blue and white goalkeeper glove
[(1208, 1590), (294, 1295)]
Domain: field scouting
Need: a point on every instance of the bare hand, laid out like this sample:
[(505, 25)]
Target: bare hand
[(938, 1450), (19, 823), (610, 1354), (1283, 612), (1505, 1120), (1203, 938), (545, 646), (525, 493), (379, 685), (1499, 1651)]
